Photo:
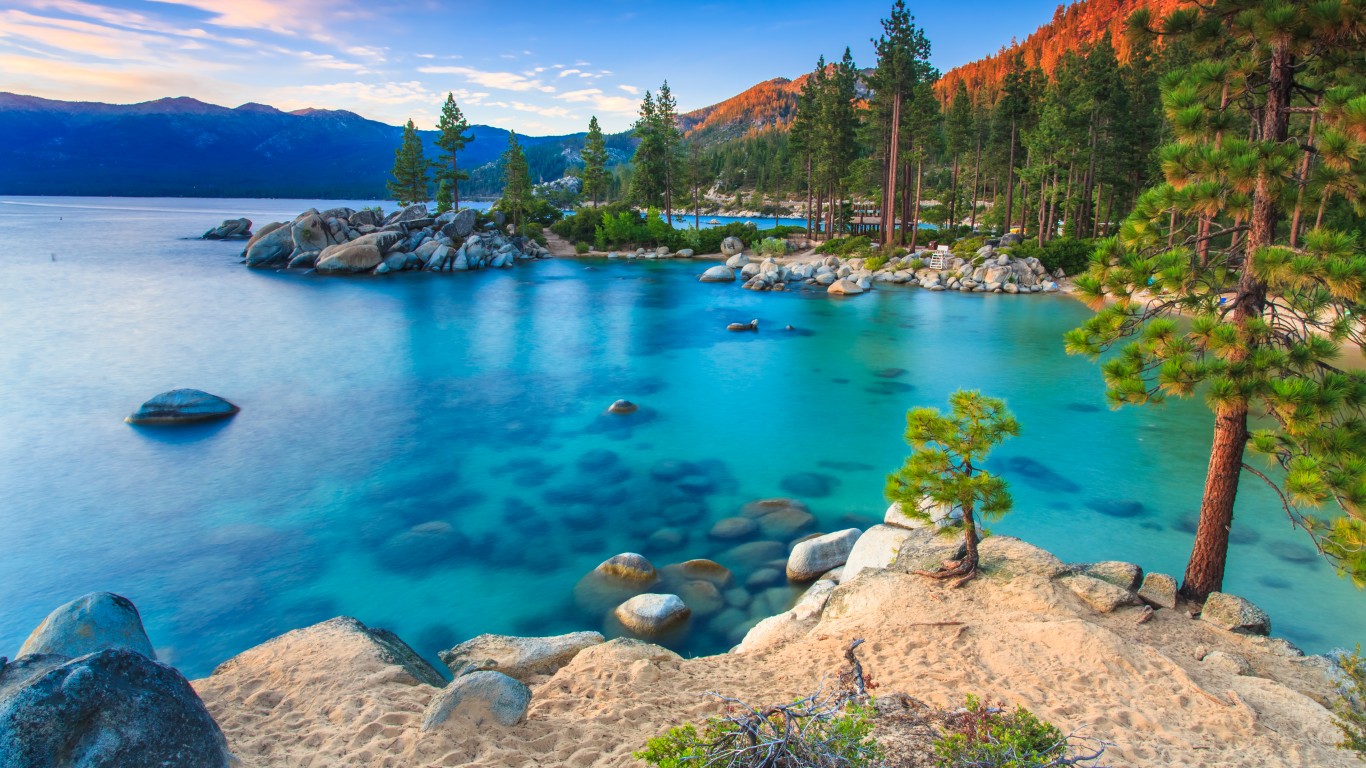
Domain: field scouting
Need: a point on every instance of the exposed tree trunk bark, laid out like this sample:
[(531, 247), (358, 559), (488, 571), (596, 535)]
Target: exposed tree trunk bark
[(1010, 182), (905, 199), (1205, 570), (1304, 179), (976, 180), (953, 196), (889, 193), (915, 208)]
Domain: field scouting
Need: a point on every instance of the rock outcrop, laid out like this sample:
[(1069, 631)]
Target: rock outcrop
[(518, 657), (99, 621), (182, 406), (347, 241), (480, 698), (230, 229)]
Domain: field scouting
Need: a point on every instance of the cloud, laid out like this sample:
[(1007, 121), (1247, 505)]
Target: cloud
[(601, 102), (540, 110), (568, 72), (503, 81), (631, 89)]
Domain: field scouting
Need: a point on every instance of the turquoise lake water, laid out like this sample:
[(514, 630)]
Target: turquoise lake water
[(429, 453)]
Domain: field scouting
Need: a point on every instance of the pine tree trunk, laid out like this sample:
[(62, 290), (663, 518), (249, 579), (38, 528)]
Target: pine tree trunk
[(915, 209), (953, 196), (455, 185), (1010, 182), (970, 541), (889, 193), (1205, 570), (905, 200), (1304, 178), (976, 180)]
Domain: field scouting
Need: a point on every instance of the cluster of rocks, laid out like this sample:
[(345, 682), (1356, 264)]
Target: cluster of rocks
[(86, 689), (231, 229), (662, 252), (347, 241)]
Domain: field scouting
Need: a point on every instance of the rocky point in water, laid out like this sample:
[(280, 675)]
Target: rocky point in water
[(182, 406), (347, 241)]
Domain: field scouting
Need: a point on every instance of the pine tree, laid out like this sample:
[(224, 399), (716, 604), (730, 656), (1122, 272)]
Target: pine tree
[(804, 137), (902, 75), (647, 180), (452, 138), (1264, 321), (594, 162), (1011, 112), (945, 470), (670, 145), (958, 135), (516, 183), (409, 184)]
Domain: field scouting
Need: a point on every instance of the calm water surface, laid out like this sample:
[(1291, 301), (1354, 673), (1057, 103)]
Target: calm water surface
[(429, 453)]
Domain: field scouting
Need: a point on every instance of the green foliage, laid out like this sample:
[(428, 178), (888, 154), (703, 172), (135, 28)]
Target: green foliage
[(1248, 312), (945, 466), (991, 738), (874, 263), (451, 138), (771, 246), (845, 246), (842, 739), (594, 174), (582, 247), (1350, 707), (967, 248), (409, 184), (1069, 254), (517, 196), (535, 231)]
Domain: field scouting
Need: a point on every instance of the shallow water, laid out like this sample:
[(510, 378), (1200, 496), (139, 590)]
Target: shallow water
[(429, 453)]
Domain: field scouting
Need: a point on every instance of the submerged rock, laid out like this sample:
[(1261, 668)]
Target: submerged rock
[(623, 407), (97, 622), (519, 657), (481, 698), (182, 406), (111, 708), (752, 325), (649, 615)]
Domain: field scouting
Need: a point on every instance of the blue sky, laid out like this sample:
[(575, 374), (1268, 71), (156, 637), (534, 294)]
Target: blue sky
[(539, 68)]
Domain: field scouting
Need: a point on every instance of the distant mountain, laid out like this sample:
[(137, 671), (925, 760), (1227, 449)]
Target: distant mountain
[(770, 104), (1073, 26), (184, 147)]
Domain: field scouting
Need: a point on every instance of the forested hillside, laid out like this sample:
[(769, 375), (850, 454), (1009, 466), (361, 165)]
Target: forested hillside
[(1073, 27)]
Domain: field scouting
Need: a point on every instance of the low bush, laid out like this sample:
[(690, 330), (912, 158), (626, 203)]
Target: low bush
[(1350, 708), (967, 248), (1069, 254), (581, 247), (845, 246), (802, 735), (874, 263), (986, 737), (535, 231), (771, 246)]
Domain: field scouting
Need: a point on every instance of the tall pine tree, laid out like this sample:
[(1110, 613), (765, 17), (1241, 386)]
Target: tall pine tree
[(1264, 322), (516, 183), (594, 162), (451, 137), (409, 183)]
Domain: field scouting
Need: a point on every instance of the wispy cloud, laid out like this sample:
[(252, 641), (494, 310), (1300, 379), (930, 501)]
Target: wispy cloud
[(503, 81), (601, 102)]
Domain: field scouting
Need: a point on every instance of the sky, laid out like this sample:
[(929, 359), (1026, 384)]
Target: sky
[(535, 67)]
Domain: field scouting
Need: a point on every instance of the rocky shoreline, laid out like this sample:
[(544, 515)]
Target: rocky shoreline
[(1099, 645), (348, 241)]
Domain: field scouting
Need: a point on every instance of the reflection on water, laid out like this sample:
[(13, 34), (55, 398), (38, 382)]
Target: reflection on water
[(430, 453)]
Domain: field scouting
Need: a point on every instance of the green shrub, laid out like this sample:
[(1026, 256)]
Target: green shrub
[(581, 247), (771, 246), (874, 263), (916, 264), (1350, 708), (825, 739), (984, 737), (535, 231), (845, 246), (968, 247), (1069, 254)]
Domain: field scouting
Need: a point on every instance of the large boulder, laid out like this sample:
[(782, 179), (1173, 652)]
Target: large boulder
[(1101, 595), (844, 287), (876, 549), (1234, 614), (614, 580), (649, 615), (97, 622), (230, 229), (718, 274), (364, 218), (461, 224), (182, 406), (309, 233), (518, 657), (479, 698), (732, 246), (1158, 590), (413, 212), (271, 247), (107, 709), (813, 557), (316, 651), (1008, 556), (738, 261), (350, 258), (1117, 572)]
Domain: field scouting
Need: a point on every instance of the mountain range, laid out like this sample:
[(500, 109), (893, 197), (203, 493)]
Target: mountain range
[(184, 147)]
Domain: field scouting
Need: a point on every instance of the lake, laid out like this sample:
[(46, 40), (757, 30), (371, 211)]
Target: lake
[(429, 452)]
